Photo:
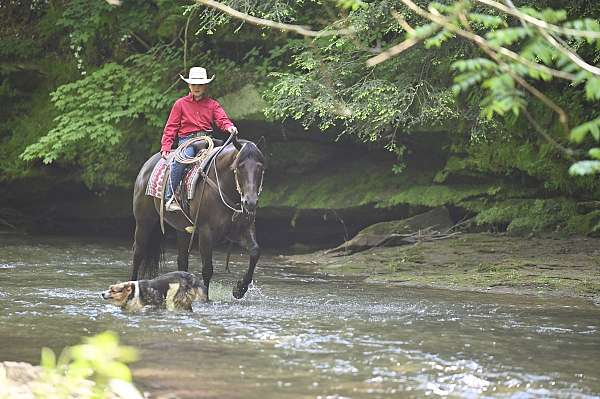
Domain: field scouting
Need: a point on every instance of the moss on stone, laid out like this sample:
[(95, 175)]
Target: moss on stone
[(532, 215)]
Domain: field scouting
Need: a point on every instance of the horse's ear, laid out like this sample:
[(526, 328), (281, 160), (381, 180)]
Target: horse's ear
[(236, 143), (261, 143)]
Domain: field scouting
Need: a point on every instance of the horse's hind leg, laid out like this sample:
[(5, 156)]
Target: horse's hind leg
[(183, 243), (147, 249), (249, 238)]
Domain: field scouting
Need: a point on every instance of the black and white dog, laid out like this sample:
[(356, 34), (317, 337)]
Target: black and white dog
[(174, 291)]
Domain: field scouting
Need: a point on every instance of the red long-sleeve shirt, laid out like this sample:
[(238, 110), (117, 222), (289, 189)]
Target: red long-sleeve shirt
[(189, 115)]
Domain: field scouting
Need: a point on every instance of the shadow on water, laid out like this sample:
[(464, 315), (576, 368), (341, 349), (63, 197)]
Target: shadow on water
[(298, 335)]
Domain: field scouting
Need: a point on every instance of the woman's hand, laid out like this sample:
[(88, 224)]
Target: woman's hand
[(165, 154), (232, 130)]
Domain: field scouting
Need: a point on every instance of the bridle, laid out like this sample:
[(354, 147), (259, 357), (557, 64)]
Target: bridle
[(236, 212), (238, 187)]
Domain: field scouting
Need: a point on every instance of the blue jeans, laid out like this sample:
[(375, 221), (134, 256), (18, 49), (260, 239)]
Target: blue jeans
[(178, 169)]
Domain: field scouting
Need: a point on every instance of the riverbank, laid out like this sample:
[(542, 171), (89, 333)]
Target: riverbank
[(482, 262)]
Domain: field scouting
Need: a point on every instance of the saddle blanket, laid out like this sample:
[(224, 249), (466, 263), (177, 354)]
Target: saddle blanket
[(160, 176)]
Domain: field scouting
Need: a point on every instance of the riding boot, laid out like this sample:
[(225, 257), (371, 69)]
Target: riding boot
[(177, 172)]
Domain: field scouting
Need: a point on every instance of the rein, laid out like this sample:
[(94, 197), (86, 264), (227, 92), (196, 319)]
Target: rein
[(208, 180), (217, 186), (237, 183)]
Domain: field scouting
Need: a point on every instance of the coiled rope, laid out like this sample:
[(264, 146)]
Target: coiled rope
[(182, 158), (202, 154)]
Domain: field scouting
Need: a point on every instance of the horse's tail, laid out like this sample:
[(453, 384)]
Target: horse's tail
[(150, 255)]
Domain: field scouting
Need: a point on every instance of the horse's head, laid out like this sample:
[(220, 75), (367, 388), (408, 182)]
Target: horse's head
[(248, 168)]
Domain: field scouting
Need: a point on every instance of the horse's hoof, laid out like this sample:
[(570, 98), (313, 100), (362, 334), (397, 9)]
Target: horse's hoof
[(239, 291)]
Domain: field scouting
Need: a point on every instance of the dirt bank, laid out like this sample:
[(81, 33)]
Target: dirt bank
[(476, 262)]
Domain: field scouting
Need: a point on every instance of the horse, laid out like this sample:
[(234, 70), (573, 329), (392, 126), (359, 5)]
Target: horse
[(238, 173)]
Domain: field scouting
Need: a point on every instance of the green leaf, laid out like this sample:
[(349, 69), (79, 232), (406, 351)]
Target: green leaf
[(583, 168), (488, 21), (48, 359), (586, 24), (474, 64), (594, 153), (592, 88), (549, 15), (438, 39), (424, 31), (592, 127), (508, 36), (352, 4)]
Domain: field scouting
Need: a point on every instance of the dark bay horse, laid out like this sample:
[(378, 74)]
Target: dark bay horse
[(237, 172)]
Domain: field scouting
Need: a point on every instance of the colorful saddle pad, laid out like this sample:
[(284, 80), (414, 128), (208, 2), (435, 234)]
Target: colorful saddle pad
[(158, 177)]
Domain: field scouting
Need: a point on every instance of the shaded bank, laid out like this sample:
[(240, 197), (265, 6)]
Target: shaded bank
[(316, 193)]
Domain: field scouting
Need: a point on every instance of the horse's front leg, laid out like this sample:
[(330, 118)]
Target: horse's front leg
[(205, 244), (183, 243), (249, 239)]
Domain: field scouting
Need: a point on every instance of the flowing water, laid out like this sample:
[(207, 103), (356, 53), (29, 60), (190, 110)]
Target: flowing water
[(300, 335)]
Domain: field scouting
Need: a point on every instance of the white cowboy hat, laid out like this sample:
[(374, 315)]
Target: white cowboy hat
[(197, 76)]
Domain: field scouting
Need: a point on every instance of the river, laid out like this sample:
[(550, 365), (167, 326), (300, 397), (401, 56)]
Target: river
[(300, 335)]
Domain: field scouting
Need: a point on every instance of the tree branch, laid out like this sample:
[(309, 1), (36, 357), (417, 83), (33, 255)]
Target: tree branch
[(299, 29), (392, 51), (140, 40), (440, 20), (398, 48), (554, 42), (405, 25), (187, 24), (539, 23), (562, 115), (567, 151)]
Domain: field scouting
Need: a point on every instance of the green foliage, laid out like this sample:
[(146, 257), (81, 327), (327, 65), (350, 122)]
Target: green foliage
[(527, 215), (89, 128), (328, 85), (588, 224), (95, 369), (96, 27), (537, 165), (438, 195), (579, 133), (352, 4), (486, 20), (439, 38), (114, 84), (535, 55), (583, 168)]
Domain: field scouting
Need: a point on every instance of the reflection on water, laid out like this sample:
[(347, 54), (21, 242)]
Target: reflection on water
[(297, 335)]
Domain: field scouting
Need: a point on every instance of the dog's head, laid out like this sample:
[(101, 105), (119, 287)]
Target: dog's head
[(117, 294)]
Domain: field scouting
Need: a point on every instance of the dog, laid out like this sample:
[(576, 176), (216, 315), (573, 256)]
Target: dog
[(173, 291)]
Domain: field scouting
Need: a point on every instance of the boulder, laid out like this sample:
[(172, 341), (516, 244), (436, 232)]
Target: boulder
[(397, 232)]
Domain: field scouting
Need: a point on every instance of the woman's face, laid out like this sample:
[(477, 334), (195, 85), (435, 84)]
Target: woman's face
[(197, 90)]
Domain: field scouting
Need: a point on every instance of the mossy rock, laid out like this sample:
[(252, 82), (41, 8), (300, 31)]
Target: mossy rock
[(389, 233)]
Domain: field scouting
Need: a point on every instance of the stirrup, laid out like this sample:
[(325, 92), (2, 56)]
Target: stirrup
[(171, 205)]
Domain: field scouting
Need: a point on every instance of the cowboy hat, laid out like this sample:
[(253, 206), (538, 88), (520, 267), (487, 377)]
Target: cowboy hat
[(197, 76)]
